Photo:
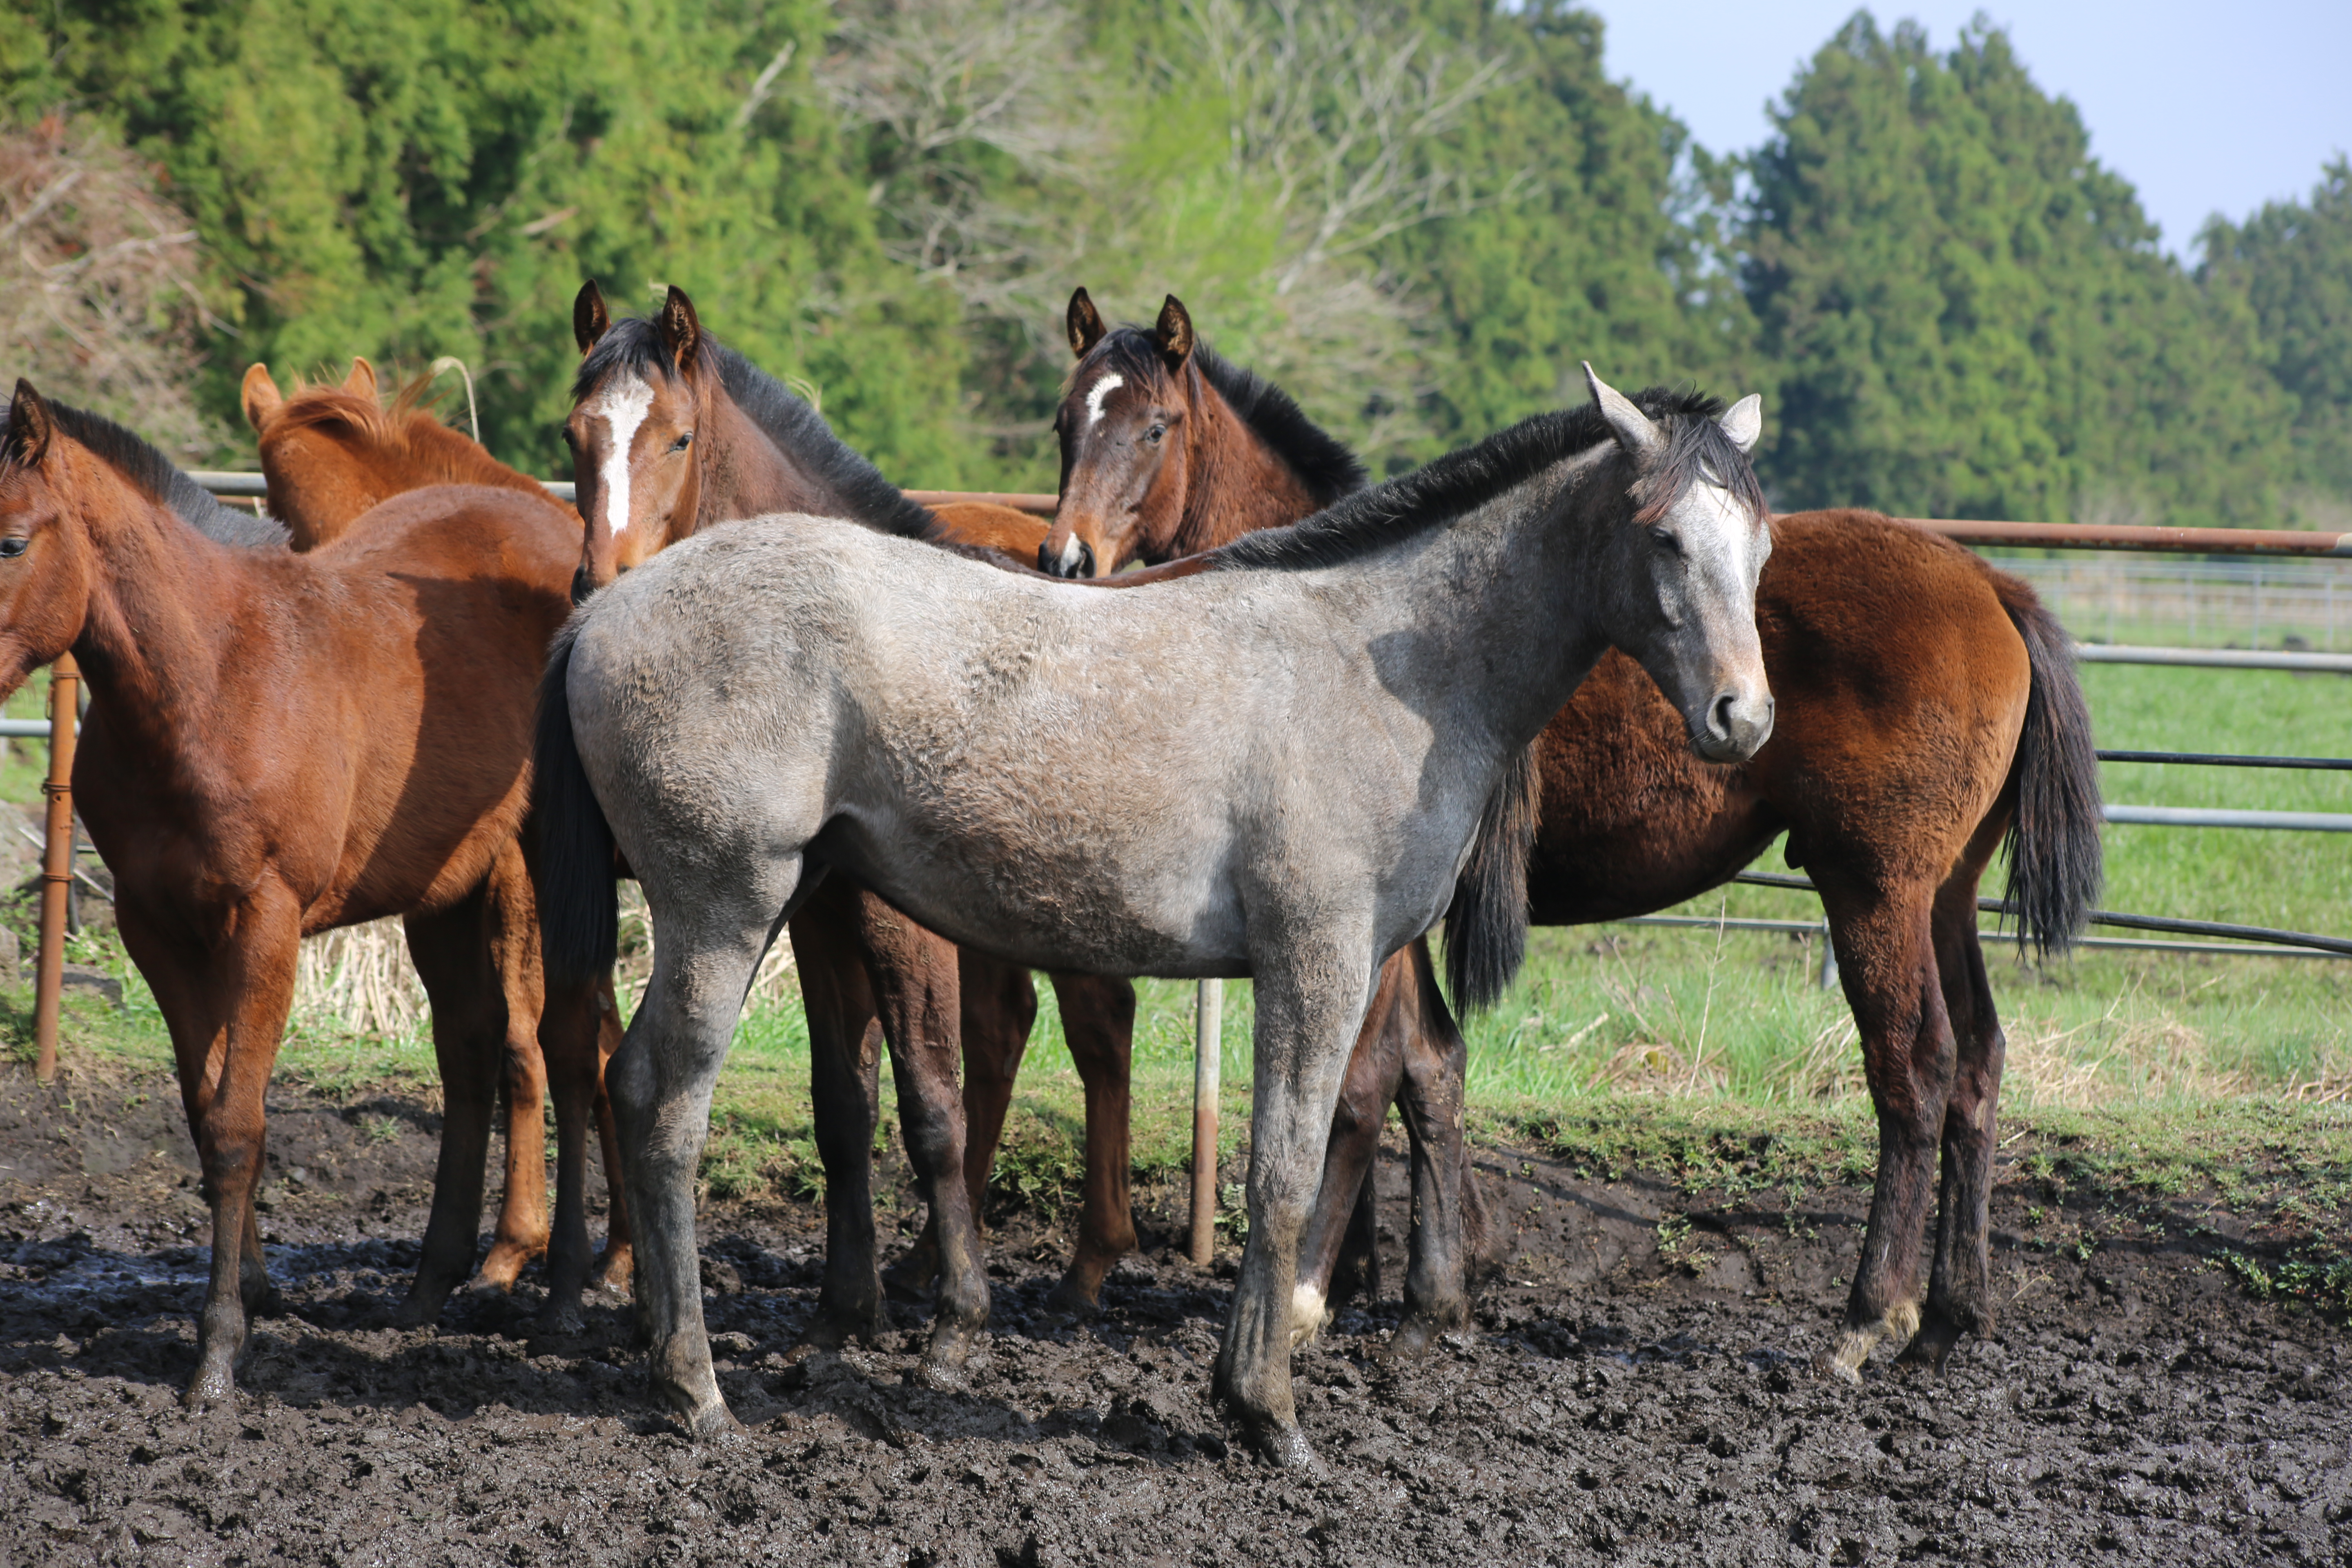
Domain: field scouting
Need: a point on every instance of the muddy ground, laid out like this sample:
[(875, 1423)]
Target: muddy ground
[(1618, 1402)]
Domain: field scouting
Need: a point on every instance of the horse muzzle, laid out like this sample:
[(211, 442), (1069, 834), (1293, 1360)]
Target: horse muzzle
[(1737, 724), (1072, 558)]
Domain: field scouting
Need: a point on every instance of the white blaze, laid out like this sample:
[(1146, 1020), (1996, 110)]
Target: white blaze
[(1097, 392), (623, 408)]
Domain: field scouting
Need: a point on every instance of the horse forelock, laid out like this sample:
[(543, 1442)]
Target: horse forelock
[(318, 408), (1698, 451)]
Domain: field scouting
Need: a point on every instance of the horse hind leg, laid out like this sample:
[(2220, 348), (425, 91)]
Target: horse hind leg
[(1339, 1253), (451, 950), (1959, 1293), (1886, 962), (1099, 1023), (521, 1234), (1448, 1222), (615, 1263), (845, 1062)]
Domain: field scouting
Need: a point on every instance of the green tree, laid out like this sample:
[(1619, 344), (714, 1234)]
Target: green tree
[(2291, 266), (425, 177), (1971, 315)]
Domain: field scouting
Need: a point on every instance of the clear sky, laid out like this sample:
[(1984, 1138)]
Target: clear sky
[(2205, 108)]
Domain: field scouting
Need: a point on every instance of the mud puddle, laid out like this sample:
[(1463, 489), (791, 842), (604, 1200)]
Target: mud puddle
[(1632, 1394)]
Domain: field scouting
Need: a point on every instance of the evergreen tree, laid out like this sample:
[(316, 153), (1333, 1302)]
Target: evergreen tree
[(1972, 316), (2291, 266)]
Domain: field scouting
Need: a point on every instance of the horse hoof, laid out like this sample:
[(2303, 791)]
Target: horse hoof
[(1073, 1301), (614, 1271), (712, 1422), (1411, 1340), (417, 1313), (1285, 1448), (1828, 1366), (561, 1318), (213, 1388)]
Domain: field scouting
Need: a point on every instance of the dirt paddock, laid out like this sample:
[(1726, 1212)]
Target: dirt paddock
[(1631, 1395)]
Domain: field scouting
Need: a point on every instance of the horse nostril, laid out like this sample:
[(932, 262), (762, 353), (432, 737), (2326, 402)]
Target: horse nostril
[(1086, 560), (1045, 562), (1718, 717)]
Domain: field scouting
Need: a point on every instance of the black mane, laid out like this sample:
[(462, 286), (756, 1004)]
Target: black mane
[(1328, 468), (635, 344), (1462, 481), (154, 476)]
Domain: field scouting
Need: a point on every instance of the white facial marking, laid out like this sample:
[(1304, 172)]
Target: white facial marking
[(623, 408), (1068, 559), (1097, 392)]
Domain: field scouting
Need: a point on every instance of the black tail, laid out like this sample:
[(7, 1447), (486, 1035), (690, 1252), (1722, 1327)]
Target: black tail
[(579, 917), (1486, 928), (2056, 861)]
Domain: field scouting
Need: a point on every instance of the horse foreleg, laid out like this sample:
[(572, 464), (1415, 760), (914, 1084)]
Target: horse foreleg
[(1886, 960), (1439, 1267), (228, 1013), (521, 1232), (914, 977), (1959, 1293), (708, 944), (1310, 996), (1099, 1023), (845, 1061), (612, 1267), (1343, 1220), (451, 950)]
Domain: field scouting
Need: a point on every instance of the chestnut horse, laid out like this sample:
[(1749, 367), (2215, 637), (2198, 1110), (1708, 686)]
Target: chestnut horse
[(278, 744), (331, 454), (1928, 709), (671, 433)]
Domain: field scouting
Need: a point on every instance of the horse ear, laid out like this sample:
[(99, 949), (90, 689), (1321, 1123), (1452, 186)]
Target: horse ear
[(361, 382), (30, 425), (681, 329), (1174, 332), (1086, 325), (260, 395), (1744, 421), (1632, 427), (589, 319)]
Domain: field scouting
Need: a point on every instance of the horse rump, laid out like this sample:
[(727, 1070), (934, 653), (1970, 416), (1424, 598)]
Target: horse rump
[(579, 911), (2056, 861)]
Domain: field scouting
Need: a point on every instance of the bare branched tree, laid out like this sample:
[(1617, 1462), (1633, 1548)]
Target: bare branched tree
[(99, 299)]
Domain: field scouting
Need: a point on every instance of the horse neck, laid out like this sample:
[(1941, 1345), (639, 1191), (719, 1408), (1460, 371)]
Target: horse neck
[(163, 600), (1537, 554), (1236, 483), (743, 472)]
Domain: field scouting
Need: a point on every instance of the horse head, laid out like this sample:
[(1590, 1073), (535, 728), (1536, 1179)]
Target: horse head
[(1680, 572), (320, 480), (643, 388), (1126, 425)]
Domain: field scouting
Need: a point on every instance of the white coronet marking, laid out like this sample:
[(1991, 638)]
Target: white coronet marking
[(623, 408), (1097, 392), (1307, 1315)]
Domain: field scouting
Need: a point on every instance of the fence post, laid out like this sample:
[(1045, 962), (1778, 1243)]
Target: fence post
[(1208, 1045), (56, 866)]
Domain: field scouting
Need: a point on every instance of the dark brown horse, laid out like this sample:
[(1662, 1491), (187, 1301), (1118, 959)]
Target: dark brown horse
[(331, 454), (670, 433), (278, 744), (1927, 710)]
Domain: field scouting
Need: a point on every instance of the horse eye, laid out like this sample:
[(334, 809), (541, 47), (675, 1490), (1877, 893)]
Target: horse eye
[(569, 439), (1154, 434), (1667, 540), (683, 442), (13, 546)]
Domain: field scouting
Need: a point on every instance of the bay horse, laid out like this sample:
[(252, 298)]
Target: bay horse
[(278, 744), (1309, 737), (672, 432), (1927, 710), (328, 454), (331, 455)]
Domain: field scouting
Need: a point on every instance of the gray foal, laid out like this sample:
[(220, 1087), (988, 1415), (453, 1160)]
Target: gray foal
[(1276, 762)]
